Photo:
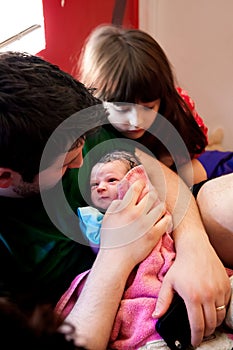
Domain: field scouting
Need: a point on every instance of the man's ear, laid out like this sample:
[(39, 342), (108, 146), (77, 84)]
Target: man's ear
[(6, 177)]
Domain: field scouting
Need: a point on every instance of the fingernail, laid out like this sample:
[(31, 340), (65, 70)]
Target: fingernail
[(156, 313)]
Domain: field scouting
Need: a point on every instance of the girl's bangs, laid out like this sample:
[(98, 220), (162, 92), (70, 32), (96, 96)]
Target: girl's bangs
[(137, 88)]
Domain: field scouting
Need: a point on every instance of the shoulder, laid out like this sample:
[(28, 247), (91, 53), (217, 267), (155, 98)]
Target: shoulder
[(191, 104), (184, 94)]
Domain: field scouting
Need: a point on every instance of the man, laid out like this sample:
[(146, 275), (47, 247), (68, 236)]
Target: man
[(40, 105)]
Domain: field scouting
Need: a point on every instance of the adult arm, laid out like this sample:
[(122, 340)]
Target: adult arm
[(197, 273), (217, 218), (193, 172), (128, 235)]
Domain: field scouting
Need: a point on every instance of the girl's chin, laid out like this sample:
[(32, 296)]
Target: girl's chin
[(133, 134)]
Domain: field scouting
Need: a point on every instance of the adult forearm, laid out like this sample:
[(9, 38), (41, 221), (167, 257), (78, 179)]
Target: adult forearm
[(210, 287), (172, 189), (94, 312)]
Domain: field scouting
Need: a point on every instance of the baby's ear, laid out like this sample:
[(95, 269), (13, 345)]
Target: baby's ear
[(6, 177)]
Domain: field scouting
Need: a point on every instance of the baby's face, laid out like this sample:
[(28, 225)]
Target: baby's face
[(104, 180), (132, 120)]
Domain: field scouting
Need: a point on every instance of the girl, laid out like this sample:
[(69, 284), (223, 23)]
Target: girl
[(127, 67)]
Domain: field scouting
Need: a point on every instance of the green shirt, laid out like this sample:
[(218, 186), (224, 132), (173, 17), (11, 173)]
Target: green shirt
[(37, 260), (107, 139)]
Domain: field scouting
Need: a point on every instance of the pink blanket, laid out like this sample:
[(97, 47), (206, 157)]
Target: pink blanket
[(134, 325)]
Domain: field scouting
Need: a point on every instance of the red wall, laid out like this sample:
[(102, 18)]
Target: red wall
[(67, 27)]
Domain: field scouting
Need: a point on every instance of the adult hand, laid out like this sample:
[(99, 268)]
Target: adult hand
[(134, 227), (201, 280)]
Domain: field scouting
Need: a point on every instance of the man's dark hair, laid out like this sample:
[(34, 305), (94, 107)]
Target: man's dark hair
[(35, 98), (35, 331)]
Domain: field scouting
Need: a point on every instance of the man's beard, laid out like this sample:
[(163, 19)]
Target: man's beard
[(27, 189)]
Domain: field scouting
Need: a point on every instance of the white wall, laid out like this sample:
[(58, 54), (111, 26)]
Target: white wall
[(197, 36), (17, 16)]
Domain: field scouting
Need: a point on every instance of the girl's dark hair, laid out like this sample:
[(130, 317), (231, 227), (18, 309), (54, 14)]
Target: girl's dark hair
[(128, 65), (35, 98), (35, 331)]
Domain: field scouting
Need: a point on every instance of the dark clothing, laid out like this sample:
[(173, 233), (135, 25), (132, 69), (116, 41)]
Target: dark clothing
[(38, 261)]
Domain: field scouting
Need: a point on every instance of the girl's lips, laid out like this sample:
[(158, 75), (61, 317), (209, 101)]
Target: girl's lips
[(134, 132)]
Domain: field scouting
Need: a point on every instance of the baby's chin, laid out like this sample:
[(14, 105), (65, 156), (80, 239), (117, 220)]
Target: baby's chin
[(101, 206)]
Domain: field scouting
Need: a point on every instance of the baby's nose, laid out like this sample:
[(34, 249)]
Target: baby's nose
[(101, 187)]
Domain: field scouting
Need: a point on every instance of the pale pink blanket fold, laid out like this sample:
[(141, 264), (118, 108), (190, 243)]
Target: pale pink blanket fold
[(134, 325)]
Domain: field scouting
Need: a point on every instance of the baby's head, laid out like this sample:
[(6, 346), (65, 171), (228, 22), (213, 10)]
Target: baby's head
[(106, 175)]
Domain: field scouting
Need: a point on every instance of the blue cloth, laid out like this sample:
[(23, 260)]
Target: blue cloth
[(90, 223), (216, 163)]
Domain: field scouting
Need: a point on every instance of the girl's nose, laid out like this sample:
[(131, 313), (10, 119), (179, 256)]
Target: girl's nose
[(133, 117)]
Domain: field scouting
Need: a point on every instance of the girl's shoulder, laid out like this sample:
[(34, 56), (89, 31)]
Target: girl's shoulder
[(191, 104), (184, 94)]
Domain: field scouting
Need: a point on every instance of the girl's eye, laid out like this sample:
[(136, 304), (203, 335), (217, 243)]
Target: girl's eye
[(148, 108), (122, 108)]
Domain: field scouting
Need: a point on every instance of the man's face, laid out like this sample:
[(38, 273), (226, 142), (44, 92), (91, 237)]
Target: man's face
[(49, 177)]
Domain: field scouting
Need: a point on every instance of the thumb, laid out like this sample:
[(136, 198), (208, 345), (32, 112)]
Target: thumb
[(164, 300)]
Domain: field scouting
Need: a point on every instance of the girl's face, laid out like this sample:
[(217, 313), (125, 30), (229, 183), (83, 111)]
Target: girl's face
[(132, 120), (104, 180)]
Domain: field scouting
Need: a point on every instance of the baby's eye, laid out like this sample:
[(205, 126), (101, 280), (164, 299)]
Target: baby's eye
[(113, 179), (94, 185)]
